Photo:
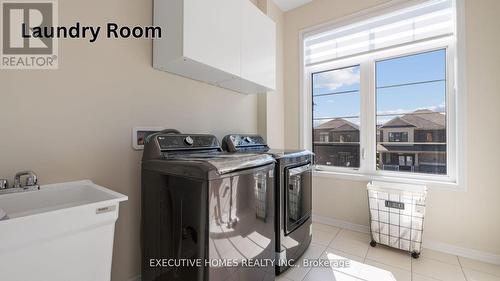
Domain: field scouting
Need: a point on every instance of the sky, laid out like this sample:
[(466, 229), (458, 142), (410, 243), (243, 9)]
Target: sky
[(395, 99)]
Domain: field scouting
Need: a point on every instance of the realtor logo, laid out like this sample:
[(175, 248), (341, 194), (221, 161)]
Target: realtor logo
[(20, 50)]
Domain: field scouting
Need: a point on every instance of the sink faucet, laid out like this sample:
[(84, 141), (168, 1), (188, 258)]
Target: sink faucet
[(30, 184), (31, 180)]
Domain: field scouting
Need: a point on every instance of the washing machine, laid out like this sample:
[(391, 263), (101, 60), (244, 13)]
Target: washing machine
[(205, 211)]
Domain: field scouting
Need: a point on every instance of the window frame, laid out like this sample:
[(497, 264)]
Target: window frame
[(455, 102)]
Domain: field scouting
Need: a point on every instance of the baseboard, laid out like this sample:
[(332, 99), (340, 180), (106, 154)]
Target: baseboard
[(340, 223), (462, 252), (429, 244), (136, 278)]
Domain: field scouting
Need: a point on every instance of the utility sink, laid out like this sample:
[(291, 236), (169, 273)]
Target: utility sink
[(61, 232)]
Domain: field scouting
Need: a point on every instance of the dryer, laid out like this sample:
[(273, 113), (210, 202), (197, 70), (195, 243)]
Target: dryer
[(293, 195)]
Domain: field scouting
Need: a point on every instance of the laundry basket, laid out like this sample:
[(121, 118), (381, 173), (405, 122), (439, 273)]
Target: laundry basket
[(397, 215)]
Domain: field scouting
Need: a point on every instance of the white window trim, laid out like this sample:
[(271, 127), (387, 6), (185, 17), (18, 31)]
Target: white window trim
[(456, 102)]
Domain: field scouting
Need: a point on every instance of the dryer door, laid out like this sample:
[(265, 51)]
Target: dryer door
[(298, 196)]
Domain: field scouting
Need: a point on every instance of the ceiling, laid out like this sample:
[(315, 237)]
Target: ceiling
[(287, 5)]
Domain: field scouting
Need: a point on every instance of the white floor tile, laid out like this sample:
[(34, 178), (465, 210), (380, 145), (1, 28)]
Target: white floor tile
[(382, 263), (342, 255), (282, 278), (438, 270), (322, 237), (377, 272), (351, 242), (327, 274), (419, 277), (298, 272), (473, 275), (314, 251), (356, 270), (355, 266), (390, 257), (398, 273), (439, 256), (324, 227), (480, 266)]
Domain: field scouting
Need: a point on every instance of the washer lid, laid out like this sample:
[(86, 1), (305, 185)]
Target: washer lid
[(224, 163), (285, 153)]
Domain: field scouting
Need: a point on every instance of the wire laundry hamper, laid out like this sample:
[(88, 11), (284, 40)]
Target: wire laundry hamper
[(397, 215)]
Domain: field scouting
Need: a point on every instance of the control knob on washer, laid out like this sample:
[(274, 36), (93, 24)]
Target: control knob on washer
[(189, 141)]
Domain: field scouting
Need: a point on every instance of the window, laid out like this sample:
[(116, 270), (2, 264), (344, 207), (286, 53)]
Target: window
[(324, 137), (396, 136), (336, 110), (429, 137), (411, 96), (380, 93)]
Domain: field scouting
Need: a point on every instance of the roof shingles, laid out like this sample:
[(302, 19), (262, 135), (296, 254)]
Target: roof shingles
[(423, 119)]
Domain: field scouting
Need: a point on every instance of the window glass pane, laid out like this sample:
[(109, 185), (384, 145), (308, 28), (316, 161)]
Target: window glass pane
[(407, 98), (411, 113), (340, 105), (430, 66), (336, 81), (336, 110)]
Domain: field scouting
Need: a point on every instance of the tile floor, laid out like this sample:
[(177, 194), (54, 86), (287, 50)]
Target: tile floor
[(381, 263)]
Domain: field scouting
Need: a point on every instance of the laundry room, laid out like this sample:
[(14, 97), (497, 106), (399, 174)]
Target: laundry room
[(249, 140)]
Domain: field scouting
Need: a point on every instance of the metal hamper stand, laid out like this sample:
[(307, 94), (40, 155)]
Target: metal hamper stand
[(397, 215)]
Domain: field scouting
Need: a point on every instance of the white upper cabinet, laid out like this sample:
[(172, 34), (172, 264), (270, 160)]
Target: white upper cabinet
[(228, 43), (210, 31), (258, 53)]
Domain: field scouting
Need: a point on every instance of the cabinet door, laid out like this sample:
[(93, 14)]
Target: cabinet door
[(212, 33), (258, 52)]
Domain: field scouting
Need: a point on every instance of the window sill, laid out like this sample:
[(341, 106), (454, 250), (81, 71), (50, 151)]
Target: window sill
[(439, 184)]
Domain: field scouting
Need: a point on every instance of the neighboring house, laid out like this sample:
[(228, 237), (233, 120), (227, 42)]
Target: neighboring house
[(337, 143), (414, 142)]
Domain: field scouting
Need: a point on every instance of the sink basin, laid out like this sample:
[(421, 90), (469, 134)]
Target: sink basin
[(56, 197), (61, 232)]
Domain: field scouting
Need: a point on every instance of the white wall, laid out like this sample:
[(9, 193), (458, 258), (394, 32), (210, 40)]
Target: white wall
[(75, 122), (468, 219), (271, 106)]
